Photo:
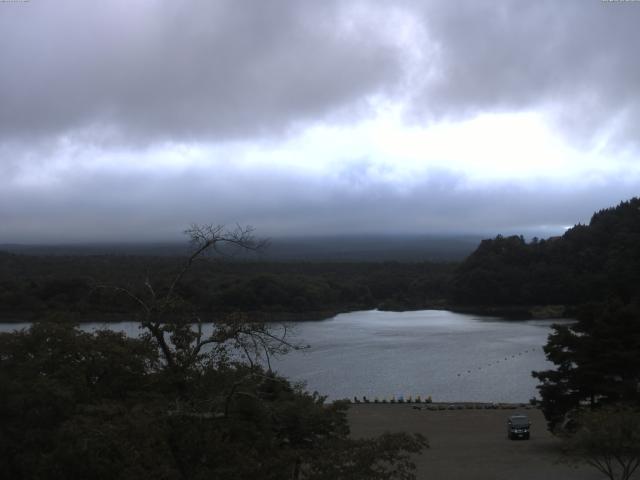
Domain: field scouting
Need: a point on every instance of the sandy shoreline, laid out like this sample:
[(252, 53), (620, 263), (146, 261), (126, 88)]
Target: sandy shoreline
[(470, 443)]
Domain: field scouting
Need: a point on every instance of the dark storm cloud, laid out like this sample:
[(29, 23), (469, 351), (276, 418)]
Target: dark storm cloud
[(151, 71), (144, 71)]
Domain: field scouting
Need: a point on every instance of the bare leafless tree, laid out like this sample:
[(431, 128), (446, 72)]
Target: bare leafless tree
[(177, 328)]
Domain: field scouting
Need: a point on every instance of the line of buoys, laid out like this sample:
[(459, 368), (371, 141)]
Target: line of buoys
[(517, 354)]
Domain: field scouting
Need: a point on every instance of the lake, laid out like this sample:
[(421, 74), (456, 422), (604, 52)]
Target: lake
[(445, 355)]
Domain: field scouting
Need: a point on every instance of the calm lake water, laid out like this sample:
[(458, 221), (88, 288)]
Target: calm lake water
[(449, 356)]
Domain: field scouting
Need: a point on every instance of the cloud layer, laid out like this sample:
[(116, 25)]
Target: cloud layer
[(148, 71), (143, 206), (125, 120)]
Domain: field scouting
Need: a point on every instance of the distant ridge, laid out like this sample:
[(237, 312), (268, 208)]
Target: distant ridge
[(146, 249), (403, 248)]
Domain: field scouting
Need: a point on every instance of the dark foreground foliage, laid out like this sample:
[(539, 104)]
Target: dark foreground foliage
[(77, 405), (608, 439), (176, 403)]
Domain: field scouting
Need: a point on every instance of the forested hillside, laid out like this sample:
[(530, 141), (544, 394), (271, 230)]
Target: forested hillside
[(588, 263)]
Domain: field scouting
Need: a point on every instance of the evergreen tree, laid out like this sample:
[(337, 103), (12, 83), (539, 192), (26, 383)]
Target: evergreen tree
[(597, 361)]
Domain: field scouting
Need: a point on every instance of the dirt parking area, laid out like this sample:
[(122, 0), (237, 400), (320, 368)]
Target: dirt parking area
[(471, 444)]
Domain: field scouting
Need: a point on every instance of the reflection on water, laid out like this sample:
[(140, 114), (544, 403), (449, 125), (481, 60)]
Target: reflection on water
[(450, 356)]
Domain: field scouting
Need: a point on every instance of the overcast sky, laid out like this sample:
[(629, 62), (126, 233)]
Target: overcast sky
[(129, 120)]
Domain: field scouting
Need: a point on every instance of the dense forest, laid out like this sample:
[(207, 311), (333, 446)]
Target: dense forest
[(31, 285), (588, 263)]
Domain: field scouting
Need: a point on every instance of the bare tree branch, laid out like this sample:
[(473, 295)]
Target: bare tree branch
[(205, 237), (182, 344)]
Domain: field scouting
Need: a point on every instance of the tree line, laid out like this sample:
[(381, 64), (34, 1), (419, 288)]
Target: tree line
[(33, 285)]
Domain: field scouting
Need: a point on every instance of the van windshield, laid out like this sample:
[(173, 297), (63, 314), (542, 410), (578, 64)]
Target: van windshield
[(519, 421)]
